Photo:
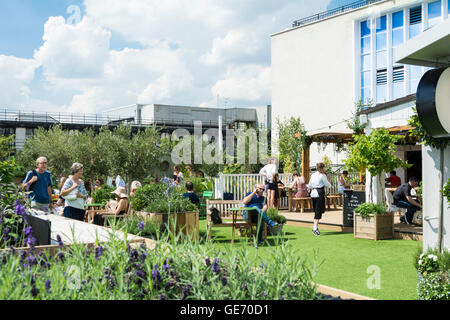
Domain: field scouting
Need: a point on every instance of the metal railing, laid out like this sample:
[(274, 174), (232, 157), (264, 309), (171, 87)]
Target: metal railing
[(95, 119), (329, 13), (240, 184)]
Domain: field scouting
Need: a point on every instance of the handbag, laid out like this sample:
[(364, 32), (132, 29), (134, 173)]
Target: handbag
[(72, 195)]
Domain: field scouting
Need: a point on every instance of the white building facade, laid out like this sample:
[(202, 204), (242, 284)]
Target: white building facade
[(321, 69)]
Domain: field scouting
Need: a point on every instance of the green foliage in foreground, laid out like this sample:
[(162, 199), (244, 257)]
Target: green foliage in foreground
[(173, 269)]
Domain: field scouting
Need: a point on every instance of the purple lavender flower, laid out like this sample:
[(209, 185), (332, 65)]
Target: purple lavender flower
[(6, 234), (162, 296), (143, 256), (262, 265), (156, 274), (264, 294), (141, 225), (47, 286), (290, 285), (224, 281), (58, 238), (19, 209), (208, 262), (215, 266), (61, 256), (244, 287), (134, 255), (34, 291), (166, 266), (98, 252), (187, 288)]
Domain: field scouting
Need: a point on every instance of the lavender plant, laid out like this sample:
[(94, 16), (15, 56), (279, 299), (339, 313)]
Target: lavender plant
[(169, 270)]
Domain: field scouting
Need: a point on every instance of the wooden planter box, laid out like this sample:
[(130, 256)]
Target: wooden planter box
[(375, 226), (358, 187), (186, 222)]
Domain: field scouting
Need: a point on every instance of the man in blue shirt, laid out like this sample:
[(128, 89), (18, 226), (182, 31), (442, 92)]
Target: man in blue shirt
[(257, 200), (39, 182), (190, 193)]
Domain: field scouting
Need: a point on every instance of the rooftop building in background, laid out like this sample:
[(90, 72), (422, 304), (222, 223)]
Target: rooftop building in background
[(164, 117), (325, 64)]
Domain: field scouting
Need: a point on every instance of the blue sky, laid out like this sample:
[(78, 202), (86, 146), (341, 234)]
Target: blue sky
[(141, 51)]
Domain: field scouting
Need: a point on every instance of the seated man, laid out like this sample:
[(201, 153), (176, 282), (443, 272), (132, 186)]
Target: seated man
[(393, 180), (404, 199), (190, 193), (256, 199)]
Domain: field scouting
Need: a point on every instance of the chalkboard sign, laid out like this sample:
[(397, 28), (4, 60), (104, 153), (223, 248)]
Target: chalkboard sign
[(352, 199)]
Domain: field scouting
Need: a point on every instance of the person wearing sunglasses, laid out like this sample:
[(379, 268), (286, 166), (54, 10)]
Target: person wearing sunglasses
[(39, 182), (257, 200)]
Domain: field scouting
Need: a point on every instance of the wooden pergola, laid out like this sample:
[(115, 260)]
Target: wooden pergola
[(325, 136), (338, 136)]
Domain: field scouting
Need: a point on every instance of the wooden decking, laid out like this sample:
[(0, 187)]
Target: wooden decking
[(333, 220)]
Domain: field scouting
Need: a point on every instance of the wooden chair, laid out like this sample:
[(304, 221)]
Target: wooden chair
[(223, 207), (105, 213)]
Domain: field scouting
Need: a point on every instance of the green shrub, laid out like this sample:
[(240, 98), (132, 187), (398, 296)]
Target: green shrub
[(442, 262), (273, 215), (368, 208), (161, 197), (103, 194)]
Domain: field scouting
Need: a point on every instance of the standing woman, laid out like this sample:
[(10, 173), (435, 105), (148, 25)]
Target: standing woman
[(317, 185), (75, 194)]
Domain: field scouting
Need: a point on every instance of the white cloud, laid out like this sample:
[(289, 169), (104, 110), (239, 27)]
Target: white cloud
[(248, 83), (234, 45), (89, 101), (15, 76), (73, 51)]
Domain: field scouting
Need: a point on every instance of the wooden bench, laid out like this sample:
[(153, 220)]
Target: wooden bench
[(223, 207), (302, 202), (334, 199)]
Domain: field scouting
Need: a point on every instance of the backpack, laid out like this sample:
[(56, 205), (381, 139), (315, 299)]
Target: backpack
[(215, 215)]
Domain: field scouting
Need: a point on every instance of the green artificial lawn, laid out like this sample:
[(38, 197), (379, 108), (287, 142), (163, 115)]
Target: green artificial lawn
[(348, 263)]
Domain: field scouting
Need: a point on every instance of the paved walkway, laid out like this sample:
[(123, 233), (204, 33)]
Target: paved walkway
[(334, 220)]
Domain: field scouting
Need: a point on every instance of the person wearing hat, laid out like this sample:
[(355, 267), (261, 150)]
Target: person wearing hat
[(118, 206)]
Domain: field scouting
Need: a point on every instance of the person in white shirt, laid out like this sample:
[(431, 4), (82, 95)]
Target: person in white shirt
[(317, 184), (268, 172)]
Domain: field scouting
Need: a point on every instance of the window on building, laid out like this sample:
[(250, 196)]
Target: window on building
[(381, 59), (398, 80), (365, 61), (434, 13), (416, 73), (397, 28), (381, 85), (415, 21)]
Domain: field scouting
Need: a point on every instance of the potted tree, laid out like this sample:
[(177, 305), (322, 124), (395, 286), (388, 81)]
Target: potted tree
[(375, 153), (371, 221), (164, 203)]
